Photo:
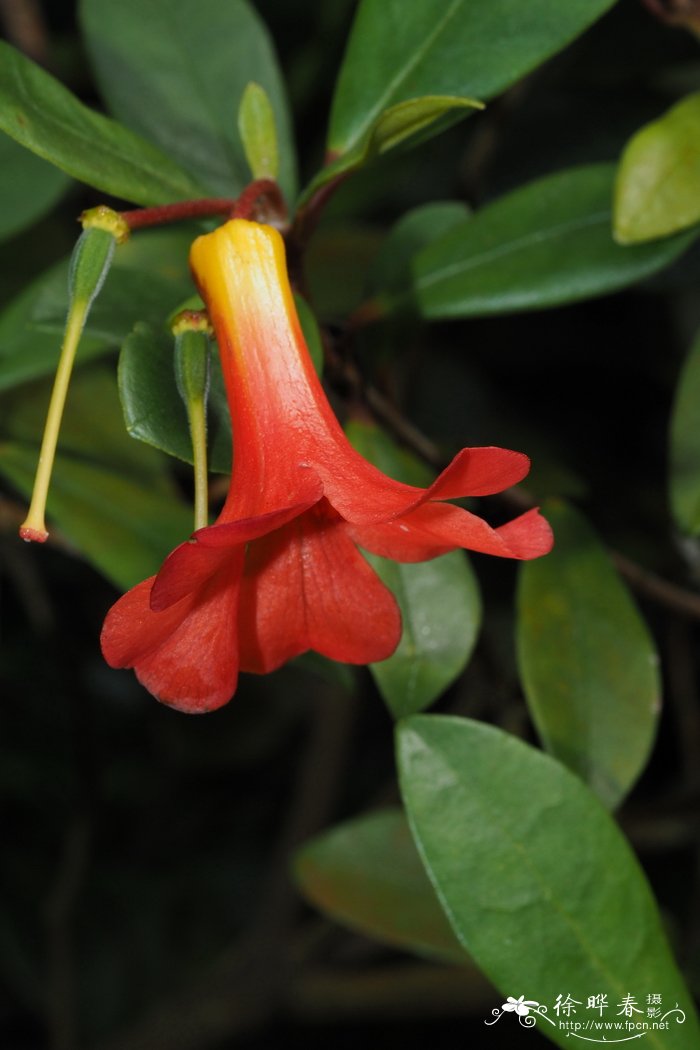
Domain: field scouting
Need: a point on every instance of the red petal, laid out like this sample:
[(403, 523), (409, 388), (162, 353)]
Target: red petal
[(362, 494), (479, 472), (186, 569), (530, 535), (308, 587), (436, 528), (228, 533), (131, 630), (189, 565), (186, 656)]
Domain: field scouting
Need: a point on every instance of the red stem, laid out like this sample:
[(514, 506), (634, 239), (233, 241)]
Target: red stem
[(177, 212), (243, 207), (309, 214)]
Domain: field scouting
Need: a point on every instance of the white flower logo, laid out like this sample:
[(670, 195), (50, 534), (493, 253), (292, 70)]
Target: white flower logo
[(520, 1006)]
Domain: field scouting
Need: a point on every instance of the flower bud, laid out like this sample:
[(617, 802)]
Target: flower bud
[(192, 330)]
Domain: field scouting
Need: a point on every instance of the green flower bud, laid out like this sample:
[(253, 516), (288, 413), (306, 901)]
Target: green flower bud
[(192, 332)]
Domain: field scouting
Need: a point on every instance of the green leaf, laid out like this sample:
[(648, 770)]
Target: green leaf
[(439, 599), (399, 52), (441, 613), (406, 119), (367, 875), (657, 191), (32, 325), (589, 666), (256, 126), (390, 128), (685, 446), (391, 270), (544, 244), (539, 884), (153, 409), (191, 60), (28, 187), (112, 499), (41, 114)]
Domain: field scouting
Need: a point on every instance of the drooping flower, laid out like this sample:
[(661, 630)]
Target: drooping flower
[(280, 572)]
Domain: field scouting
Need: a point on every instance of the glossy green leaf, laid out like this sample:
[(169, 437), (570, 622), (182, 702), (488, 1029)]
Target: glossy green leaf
[(588, 663), (108, 496), (539, 884), (399, 51), (685, 446), (153, 409), (191, 60), (29, 187), (544, 244), (406, 119), (32, 325), (367, 875), (42, 115), (393, 126), (657, 191), (391, 270), (256, 126), (439, 599), (441, 613)]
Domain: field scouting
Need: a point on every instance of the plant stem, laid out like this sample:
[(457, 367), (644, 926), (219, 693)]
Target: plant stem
[(245, 205), (34, 526), (309, 215), (178, 212), (196, 411), (241, 207)]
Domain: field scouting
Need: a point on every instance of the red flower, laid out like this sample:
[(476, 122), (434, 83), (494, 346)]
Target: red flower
[(280, 572)]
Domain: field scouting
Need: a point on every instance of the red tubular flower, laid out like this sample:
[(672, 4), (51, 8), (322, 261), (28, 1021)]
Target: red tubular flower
[(280, 572)]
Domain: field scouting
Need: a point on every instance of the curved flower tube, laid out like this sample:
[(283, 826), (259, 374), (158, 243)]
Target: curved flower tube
[(280, 571)]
